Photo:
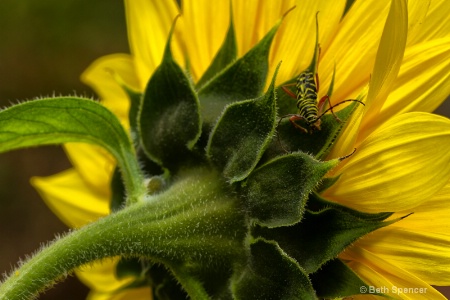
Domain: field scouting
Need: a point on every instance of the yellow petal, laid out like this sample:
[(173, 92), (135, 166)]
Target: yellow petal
[(423, 82), (68, 196), (399, 166), (94, 164), (295, 41), (253, 19), (205, 24), (100, 76), (435, 209), (417, 12), (381, 274), (149, 23), (142, 293), (424, 254), (387, 63), (353, 49), (435, 25), (100, 278)]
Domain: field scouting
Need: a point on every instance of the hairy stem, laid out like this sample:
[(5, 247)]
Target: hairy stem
[(195, 221)]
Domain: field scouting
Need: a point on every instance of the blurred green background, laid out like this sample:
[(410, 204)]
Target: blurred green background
[(44, 47)]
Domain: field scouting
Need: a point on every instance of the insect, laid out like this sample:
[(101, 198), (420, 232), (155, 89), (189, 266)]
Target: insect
[(309, 109), (307, 87)]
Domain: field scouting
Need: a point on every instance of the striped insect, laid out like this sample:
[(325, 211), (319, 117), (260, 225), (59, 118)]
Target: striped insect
[(309, 109), (307, 87)]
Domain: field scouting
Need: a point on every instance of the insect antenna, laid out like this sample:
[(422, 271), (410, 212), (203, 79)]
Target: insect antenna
[(331, 108)]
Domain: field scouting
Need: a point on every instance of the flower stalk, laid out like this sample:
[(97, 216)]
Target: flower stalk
[(235, 201), (193, 225)]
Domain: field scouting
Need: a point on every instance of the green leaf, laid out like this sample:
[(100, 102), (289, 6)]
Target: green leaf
[(244, 79), (225, 56), (312, 245), (336, 280), (271, 274), (169, 120), (68, 119), (318, 143), (242, 133), (276, 192)]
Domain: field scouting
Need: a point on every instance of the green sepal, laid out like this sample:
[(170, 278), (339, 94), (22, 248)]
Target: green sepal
[(276, 192), (206, 283), (169, 119), (318, 143), (149, 167), (135, 98), (286, 104), (242, 133), (69, 119), (327, 183), (336, 280), (271, 274), (135, 103), (224, 57), (314, 65), (317, 203), (244, 79), (312, 245), (191, 283), (164, 285), (348, 5), (331, 87)]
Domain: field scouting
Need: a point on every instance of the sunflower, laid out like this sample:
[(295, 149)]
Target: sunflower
[(395, 56)]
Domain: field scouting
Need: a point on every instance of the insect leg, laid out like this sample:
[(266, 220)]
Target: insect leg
[(294, 118), (287, 91), (321, 106)]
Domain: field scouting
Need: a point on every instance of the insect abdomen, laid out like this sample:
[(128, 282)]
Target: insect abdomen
[(307, 97)]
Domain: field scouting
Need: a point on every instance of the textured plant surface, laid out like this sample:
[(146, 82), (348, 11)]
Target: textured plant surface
[(217, 195)]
